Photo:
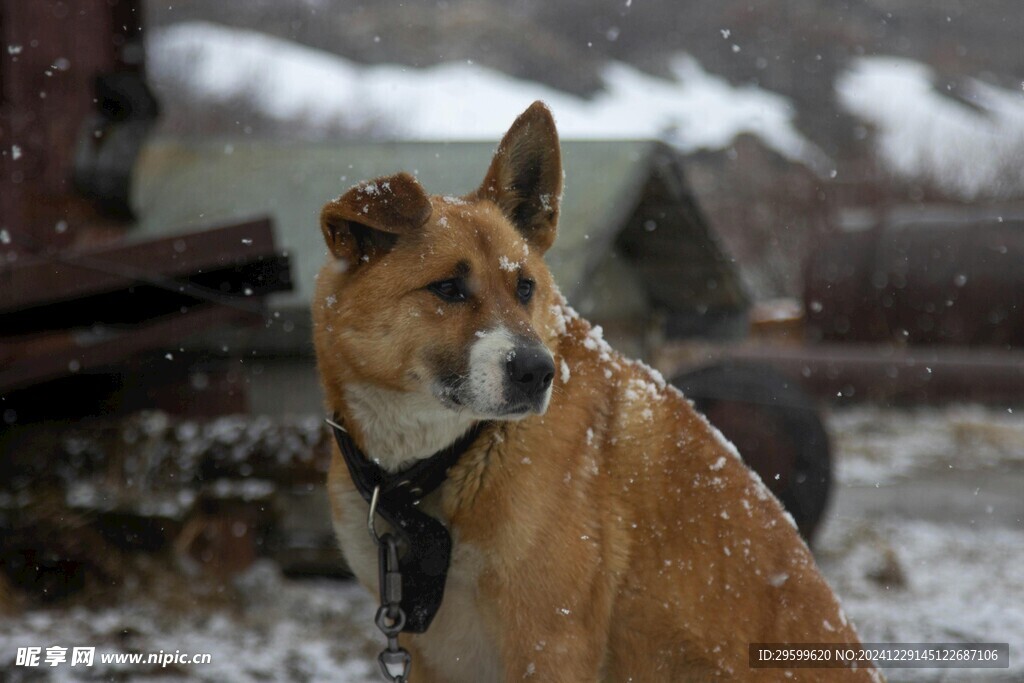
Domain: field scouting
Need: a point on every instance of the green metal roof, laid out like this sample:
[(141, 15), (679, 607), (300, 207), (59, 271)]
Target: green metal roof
[(633, 240), (184, 186)]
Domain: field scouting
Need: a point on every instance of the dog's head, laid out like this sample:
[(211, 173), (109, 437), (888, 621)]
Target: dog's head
[(445, 297)]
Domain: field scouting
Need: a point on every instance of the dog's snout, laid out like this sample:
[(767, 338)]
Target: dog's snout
[(531, 369)]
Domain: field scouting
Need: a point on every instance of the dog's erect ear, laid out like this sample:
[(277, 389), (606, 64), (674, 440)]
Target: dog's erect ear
[(368, 219), (525, 177)]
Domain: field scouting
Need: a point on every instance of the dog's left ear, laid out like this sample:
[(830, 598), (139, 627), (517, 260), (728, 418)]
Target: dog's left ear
[(369, 218), (525, 177)]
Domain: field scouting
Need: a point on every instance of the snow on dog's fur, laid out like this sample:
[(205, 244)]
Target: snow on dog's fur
[(599, 533)]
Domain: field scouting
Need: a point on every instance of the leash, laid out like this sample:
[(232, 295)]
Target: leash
[(411, 584)]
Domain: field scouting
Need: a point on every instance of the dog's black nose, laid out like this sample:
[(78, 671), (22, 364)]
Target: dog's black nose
[(531, 370)]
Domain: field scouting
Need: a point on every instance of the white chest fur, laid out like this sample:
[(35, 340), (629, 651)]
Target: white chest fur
[(457, 646), (399, 427)]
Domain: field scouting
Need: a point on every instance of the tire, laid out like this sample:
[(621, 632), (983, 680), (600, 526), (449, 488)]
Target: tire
[(776, 428)]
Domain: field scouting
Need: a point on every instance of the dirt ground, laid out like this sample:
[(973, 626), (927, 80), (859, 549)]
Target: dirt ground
[(924, 542)]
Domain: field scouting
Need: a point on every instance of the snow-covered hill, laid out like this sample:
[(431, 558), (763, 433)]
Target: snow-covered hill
[(463, 101), (970, 147)]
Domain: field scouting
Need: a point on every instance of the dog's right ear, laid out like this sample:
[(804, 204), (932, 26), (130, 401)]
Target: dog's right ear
[(367, 220), (525, 176)]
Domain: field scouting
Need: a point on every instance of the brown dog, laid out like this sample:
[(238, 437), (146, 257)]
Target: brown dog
[(602, 530)]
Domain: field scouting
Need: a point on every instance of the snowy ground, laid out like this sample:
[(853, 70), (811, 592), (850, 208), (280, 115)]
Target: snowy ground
[(261, 628), (924, 542), (925, 538)]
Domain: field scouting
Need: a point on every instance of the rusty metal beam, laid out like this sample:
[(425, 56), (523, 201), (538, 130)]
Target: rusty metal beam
[(878, 372), (44, 357), (62, 276)]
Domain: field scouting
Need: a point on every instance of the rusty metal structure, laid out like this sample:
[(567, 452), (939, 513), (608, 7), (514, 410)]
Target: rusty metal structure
[(91, 308), (73, 111), (79, 291)]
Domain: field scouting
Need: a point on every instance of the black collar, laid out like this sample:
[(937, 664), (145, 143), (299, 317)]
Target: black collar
[(428, 544)]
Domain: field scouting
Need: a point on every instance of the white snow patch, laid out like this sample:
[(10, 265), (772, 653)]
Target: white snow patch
[(562, 312), (962, 584), (556, 312), (729, 447), (923, 135), (718, 464), (507, 264), (641, 388), (565, 371), (789, 518), (262, 639), (692, 110), (595, 341), (876, 446)]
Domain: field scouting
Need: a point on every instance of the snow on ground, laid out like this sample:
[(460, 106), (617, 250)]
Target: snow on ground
[(876, 448), (266, 628), (905, 580), (924, 540), (903, 575), (967, 148), (463, 101)]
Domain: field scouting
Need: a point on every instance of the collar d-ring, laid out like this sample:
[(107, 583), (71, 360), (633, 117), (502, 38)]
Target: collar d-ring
[(372, 515)]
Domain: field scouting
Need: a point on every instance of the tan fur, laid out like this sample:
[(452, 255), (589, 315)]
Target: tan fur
[(613, 538)]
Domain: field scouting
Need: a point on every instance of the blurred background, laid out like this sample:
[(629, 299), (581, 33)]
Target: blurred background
[(809, 215)]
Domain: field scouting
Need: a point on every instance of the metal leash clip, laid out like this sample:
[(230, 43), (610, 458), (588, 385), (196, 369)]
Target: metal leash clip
[(395, 661)]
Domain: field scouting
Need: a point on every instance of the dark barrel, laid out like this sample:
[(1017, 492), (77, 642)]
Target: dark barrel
[(935, 281)]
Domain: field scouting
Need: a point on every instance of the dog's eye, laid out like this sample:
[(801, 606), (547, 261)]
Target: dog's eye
[(524, 290), (449, 290)]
